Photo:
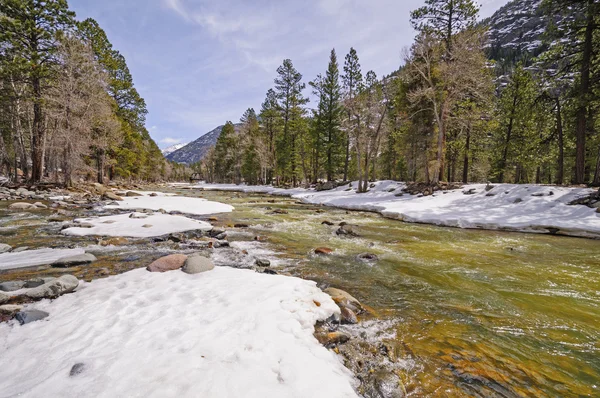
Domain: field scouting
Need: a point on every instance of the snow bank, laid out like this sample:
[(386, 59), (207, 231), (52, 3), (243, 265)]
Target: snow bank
[(525, 208), (197, 206), (223, 333), (34, 258), (156, 224)]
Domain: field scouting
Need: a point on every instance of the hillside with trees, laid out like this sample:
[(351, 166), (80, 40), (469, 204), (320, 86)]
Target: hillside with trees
[(68, 107), (445, 115)]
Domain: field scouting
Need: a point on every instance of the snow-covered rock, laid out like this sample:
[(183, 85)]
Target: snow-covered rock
[(223, 333)]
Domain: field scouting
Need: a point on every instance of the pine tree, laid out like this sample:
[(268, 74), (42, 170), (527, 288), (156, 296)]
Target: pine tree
[(224, 154), (270, 117), (31, 30), (288, 89), (445, 18), (352, 80)]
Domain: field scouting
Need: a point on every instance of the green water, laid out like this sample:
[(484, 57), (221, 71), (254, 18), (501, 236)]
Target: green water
[(477, 313), (480, 313)]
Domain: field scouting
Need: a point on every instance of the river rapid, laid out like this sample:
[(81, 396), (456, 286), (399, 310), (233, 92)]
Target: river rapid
[(467, 312)]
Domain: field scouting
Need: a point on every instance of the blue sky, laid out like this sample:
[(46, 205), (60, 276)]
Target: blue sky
[(199, 63)]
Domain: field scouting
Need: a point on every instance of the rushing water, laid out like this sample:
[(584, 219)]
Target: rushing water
[(478, 313)]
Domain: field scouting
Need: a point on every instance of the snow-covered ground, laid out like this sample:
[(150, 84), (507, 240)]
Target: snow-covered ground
[(33, 258), (140, 226), (197, 206), (223, 333), (526, 208)]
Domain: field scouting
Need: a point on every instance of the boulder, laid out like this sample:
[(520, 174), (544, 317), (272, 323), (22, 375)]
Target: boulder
[(22, 206), (323, 250), (167, 263), (220, 243), (196, 264), (138, 215), (57, 287), (37, 282), (108, 195), (77, 369), (332, 339), (100, 189), (4, 248), (11, 286), (4, 298), (29, 316), (261, 262), (344, 299), (40, 205), (72, 261), (131, 193), (153, 194), (348, 316), (326, 186)]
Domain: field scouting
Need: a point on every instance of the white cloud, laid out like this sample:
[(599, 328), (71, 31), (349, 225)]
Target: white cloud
[(171, 140)]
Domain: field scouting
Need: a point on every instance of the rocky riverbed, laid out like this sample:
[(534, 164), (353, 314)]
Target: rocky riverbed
[(439, 309)]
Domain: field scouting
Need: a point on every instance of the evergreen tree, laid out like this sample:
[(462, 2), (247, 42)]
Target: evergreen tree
[(288, 89), (224, 154), (30, 33), (270, 117), (445, 18), (352, 80)]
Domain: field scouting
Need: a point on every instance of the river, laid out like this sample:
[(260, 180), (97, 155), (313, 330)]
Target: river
[(474, 313)]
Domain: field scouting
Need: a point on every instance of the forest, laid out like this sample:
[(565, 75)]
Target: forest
[(68, 106), (449, 113), (69, 110)]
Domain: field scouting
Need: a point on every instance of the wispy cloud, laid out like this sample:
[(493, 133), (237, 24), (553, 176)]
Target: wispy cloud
[(171, 140)]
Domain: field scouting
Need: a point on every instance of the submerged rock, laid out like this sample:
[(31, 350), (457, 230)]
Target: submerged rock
[(383, 384), (71, 261), (196, 264), (167, 263), (54, 288), (367, 257), (326, 222), (332, 339), (347, 230), (22, 206), (29, 316), (323, 250)]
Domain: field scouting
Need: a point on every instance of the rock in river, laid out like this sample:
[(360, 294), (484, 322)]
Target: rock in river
[(4, 248), (196, 264), (347, 230), (367, 257), (332, 339), (29, 316), (261, 262), (344, 299), (22, 206), (57, 287), (168, 263), (72, 261), (323, 250)]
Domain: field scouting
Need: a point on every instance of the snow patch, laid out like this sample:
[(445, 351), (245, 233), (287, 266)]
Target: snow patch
[(34, 258), (196, 206), (157, 224), (223, 333)]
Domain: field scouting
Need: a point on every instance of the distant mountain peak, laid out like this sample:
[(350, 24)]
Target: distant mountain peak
[(172, 148), (196, 150)]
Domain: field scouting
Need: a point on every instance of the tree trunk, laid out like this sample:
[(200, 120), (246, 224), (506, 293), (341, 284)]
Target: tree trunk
[(100, 166), (596, 181), (561, 147), (584, 90), (38, 139), (465, 174)]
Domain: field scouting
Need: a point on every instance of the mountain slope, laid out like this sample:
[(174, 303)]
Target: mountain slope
[(172, 148), (196, 150)]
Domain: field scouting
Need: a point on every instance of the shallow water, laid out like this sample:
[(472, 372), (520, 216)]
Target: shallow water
[(477, 313)]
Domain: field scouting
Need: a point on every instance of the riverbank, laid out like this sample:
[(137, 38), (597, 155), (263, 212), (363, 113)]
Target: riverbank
[(509, 207)]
